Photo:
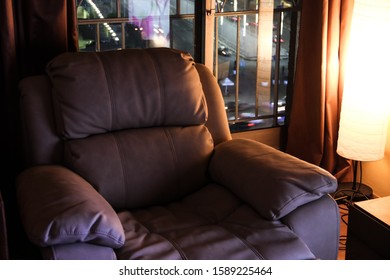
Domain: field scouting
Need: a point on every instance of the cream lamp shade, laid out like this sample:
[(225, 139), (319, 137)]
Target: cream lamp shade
[(365, 105)]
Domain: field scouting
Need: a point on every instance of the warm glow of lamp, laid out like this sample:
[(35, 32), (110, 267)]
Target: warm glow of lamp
[(365, 105)]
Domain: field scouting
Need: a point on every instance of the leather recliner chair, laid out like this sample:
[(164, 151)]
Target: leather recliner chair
[(129, 156)]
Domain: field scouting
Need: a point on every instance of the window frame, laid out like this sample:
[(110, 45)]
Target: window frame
[(213, 13)]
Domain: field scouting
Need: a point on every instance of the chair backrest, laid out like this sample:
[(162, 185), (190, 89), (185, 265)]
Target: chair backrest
[(139, 124)]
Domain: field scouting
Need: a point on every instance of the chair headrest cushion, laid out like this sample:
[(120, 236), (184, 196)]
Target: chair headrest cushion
[(99, 92)]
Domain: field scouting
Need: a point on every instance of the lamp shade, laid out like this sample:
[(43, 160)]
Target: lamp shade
[(365, 106)]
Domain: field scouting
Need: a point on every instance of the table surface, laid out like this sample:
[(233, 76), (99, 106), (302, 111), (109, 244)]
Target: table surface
[(377, 207)]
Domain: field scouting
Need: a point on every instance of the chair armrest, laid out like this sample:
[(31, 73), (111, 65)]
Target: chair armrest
[(57, 206), (271, 181), (318, 224)]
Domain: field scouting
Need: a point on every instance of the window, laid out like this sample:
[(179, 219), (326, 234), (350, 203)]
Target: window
[(253, 45), (254, 57)]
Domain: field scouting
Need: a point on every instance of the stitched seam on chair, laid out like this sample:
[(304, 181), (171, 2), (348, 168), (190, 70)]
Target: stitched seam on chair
[(247, 244), (305, 193), (123, 165), (176, 246), (173, 243), (110, 89), (169, 137), (161, 87), (54, 252)]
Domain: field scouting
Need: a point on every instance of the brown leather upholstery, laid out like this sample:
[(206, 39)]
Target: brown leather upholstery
[(129, 156)]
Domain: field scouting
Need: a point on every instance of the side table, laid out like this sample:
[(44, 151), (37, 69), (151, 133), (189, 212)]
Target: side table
[(3, 233), (368, 233)]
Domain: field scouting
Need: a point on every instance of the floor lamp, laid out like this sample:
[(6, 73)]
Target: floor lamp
[(365, 105)]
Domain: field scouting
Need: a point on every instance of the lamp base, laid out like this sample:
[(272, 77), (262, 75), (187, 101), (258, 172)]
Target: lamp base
[(345, 191)]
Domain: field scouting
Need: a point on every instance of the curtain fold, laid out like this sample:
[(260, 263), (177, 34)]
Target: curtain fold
[(45, 29), (318, 86), (32, 33)]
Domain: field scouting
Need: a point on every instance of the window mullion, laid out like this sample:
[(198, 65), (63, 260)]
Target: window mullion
[(276, 70), (264, 54), (238, 45), (98, 37)]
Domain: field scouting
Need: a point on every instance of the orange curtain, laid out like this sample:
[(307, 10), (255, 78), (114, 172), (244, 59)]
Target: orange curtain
[(318, 87)]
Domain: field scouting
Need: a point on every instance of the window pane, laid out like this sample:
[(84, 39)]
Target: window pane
[(235, 5), (187, 7), (87, 37), (183, 34), (136, 23), (153, 18), (95, 9), (134, 37), (110, 36)]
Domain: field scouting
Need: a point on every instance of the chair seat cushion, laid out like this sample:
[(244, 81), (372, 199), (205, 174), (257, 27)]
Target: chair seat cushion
[(211, 223)]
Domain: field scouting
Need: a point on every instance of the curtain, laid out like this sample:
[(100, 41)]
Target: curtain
[(32, 33), (318, 86)]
